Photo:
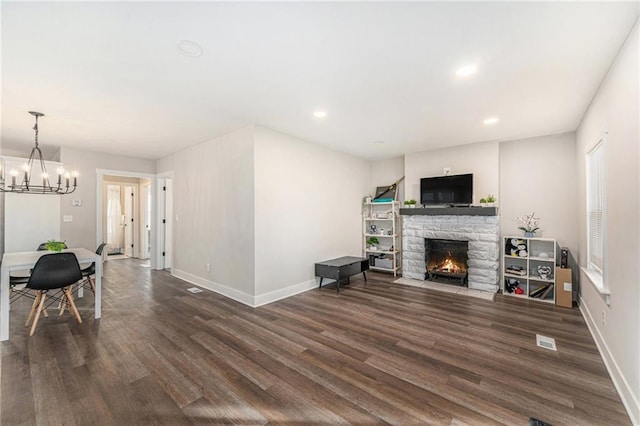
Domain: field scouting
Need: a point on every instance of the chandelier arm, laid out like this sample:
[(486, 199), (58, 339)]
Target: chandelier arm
[(45, 175)]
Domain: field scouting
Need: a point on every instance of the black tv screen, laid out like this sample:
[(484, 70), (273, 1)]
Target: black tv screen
[(447, 190)]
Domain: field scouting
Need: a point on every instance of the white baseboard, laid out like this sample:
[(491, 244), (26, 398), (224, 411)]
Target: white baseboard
[(283, 293), (239, 296), (629, 399), (229, 292)]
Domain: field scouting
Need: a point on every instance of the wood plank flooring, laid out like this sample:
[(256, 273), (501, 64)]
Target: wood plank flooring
[(375, 354)]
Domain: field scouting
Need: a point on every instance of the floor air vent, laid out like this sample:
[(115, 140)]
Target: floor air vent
[(194, 290), (546, 342)]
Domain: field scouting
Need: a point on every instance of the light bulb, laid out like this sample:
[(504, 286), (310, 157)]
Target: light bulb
[(25, 167), (45, 175), (60, 170), (74, 173), (13, 172)]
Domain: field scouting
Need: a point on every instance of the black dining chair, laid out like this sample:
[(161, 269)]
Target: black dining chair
[(19, 280), (56, 271), (90, 270)]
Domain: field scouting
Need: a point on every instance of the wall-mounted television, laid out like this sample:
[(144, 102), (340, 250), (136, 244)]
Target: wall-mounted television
[(455, 190)]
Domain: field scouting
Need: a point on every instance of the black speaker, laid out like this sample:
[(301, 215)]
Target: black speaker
[(564, 257)]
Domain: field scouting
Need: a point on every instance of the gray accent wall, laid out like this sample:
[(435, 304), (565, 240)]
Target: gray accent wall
[(82, 231)]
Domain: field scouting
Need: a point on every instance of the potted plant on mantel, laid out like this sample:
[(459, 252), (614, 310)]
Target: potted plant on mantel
[(410, 203), (488, 201), (372, 243)]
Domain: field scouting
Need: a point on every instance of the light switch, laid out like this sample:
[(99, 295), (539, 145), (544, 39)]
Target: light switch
[(76, 203), (567, 286), (68, 218)]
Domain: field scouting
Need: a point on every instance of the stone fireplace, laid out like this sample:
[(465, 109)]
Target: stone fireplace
[(476, 226), (446, 261)]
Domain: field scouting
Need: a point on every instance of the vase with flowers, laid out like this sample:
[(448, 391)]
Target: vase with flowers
[(529, 224)]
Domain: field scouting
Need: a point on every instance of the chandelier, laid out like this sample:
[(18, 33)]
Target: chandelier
[(27, 184)]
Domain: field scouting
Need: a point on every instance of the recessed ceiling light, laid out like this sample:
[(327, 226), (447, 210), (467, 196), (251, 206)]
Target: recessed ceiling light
[(189, 48), (490, 121), (320, 114), (467, 70)]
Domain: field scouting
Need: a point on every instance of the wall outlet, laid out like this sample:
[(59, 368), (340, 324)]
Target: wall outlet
[(567, 286), (208, 267), (446, 171), (604, 317), (67, 218)]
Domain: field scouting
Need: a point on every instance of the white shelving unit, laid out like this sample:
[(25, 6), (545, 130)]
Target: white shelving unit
[(529, 264), (381, 220)]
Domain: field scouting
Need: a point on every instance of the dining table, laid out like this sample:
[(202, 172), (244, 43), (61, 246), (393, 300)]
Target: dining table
[(26, 260)]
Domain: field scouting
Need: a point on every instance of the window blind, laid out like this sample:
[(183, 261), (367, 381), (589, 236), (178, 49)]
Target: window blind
[(595, 207)]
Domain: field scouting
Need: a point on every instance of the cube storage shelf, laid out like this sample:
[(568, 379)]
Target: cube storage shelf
[(528, 268), (381, 220)]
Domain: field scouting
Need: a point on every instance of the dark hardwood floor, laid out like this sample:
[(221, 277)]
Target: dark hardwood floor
[(374, 354)]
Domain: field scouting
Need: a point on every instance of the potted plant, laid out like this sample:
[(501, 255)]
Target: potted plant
[(529, 224), (490, 200), (57, 246), (483, 202), (410, 203), (372, 242)]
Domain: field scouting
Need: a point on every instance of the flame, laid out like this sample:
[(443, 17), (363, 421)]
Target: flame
[(449, 265)]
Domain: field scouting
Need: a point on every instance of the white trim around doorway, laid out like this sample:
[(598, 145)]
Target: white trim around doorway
[(100, 174)]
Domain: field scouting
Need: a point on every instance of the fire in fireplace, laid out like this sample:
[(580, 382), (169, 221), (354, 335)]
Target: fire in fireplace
[(446, 261)]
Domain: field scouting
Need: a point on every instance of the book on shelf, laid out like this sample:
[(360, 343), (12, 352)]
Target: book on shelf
[(538, 291), (548, 290), (515, 270)]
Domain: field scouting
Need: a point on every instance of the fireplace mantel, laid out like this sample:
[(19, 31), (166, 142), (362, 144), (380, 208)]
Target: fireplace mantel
[(451, 211)]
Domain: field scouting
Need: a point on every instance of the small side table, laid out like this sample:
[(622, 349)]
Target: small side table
[(340, 268)]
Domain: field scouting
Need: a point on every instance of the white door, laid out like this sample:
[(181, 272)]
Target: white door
[(145, 220), (129, 195), (168, 225), (114, 219)]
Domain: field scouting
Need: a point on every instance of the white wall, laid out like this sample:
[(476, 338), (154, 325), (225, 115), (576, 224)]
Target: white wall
[(308, 202), (386, 172), (615, 108), (539, 175), (30, 220), (481, 159), (213, 206), (82, 231), (164, 165)]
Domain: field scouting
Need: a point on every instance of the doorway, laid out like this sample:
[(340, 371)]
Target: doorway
[(126, 224), (148, 232)]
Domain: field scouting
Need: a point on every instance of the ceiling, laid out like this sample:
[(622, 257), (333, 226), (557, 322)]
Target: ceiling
[(109, 76)]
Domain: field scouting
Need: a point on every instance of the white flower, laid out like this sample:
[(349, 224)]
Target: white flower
[(529, 222)]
